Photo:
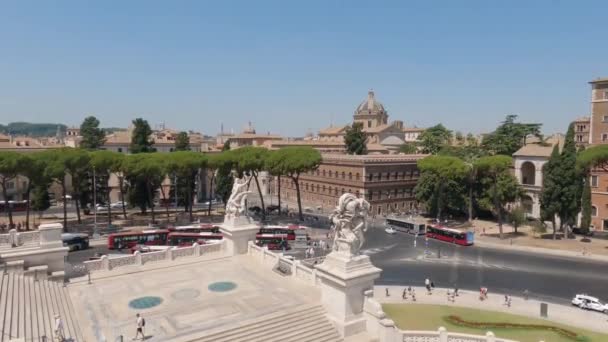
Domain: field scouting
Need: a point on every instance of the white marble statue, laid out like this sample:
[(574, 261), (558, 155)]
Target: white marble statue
[(349, 220), (235, 206)]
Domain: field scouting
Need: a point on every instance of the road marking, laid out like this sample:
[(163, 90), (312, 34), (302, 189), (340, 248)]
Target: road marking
[(377, 250)]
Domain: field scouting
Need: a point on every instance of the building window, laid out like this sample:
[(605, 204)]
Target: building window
[(343, 175), (120, 149), (593, 211), (605, 224), (594, 181), (369, 123), (350, 176), (605, 118), (357, 176), (579, 138), (10, 185), (323, 173), (379, 176), (330, 173), (606, 95)]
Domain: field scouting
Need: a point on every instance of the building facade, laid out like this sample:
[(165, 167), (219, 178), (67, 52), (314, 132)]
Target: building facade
[(582, 128), (386, 181), (599, 135)]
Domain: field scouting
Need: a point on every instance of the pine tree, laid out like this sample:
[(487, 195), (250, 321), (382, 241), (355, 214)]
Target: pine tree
[(140, 138), (586, 206), (570, 182), (355, 139), (41, 200), (93, 137), (549, 199)]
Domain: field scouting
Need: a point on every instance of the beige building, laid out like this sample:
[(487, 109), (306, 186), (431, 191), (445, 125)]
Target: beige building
[(386, 181), (599, 135), (582, 128), (249, 137)]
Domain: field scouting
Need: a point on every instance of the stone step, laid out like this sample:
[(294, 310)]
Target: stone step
[(271, 320), (317, 334), (300, 326), (271, 331), (328, 336)]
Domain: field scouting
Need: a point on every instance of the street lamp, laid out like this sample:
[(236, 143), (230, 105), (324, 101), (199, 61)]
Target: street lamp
[(95, 232)]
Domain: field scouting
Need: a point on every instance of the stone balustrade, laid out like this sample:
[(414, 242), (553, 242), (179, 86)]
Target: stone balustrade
[(15, 239), (139, 259)]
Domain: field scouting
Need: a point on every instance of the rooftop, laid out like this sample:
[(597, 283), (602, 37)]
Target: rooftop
[(599, 80)]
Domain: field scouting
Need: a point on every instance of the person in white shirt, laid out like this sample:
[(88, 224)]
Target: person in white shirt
[(59, 329), (140, 327)]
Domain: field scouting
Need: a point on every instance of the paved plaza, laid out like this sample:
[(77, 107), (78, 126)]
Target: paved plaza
[(186, 305)]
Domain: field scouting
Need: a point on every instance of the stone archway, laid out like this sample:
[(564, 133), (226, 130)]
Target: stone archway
[(528, 173)]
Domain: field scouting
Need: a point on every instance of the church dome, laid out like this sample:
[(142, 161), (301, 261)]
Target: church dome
[(370, 105)]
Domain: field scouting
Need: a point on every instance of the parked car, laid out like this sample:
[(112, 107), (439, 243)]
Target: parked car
[(118, 205), (589, 303), (102, 208), (212, 202)]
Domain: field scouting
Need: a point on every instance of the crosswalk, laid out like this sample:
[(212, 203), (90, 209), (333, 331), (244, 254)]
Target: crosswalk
[(455, 261)]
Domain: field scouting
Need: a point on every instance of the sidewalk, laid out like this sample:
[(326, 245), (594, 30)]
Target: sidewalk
[(570, 315)]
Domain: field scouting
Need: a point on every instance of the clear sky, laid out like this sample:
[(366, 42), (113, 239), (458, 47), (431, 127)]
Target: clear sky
[(295, 66)]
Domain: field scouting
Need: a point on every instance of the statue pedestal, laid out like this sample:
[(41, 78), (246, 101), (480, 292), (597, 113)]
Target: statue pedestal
[(238, 231), (344, 279)]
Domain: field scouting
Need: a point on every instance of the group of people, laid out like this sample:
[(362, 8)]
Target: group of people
[(18, 225), (430, 286), (409, 292), (452, 294)]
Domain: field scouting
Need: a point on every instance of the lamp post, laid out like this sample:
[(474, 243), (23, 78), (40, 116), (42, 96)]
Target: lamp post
[(95, 232)]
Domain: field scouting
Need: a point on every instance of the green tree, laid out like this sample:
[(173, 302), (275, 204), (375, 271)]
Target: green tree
[(510, 136), (10, 166), (549, 198), (147, 174), (182, 142), (251, 160), (408, 148), (93, 137), (586, 206), (440, 186), (33, 168), (275, 166), (355, 139), (55, 169), (297, 160), (499, 185), (141, 142), (104, 163), (433, 139), (459, 138), (215, 162), (41, 200), (517, 217), (77, 164), (185, 165), (224, 177), (571, 184)]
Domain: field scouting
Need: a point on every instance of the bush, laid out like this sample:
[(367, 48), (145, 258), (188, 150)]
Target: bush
[(539, 227), (456, 320)]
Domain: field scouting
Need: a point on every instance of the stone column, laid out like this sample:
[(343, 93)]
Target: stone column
[(50, 235), (344, 280), (238, 231)]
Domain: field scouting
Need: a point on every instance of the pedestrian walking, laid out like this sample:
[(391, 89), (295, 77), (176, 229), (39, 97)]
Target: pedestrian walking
[(312, 252), (432, 285), (58, 329), (386, 292), (404, 294), (413, 294), (414, 242), (526, 294), (140, 323)]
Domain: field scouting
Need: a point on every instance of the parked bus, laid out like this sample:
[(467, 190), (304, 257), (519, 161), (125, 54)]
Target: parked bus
[(450, 235), (131, 239), (75, 241), (14, 205), (196, 228), (412, 226), (187, 239), (289, 231)]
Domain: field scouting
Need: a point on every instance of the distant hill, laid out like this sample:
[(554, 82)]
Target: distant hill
[(32, 129)]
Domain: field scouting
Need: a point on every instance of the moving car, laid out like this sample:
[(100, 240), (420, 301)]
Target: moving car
[(390, 230), (118, 205), (589, 303), (75, 241)]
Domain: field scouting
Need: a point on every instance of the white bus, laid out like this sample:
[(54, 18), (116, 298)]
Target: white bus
[(407, 225)]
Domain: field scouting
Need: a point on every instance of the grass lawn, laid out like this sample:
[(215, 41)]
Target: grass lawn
[(430, 317)]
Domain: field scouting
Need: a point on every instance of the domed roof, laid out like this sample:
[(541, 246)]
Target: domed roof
[(370, 105)]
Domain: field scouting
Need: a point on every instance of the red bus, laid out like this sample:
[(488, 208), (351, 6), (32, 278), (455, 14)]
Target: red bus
[(14, 205), (287, 232), (187, 239), (133, 239), (196, 228), (273, 242), (450, 235)]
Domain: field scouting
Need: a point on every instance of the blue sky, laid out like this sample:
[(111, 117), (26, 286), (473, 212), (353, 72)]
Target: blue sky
[(294, 66)]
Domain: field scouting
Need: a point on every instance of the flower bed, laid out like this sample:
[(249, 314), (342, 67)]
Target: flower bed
[(456, 320)]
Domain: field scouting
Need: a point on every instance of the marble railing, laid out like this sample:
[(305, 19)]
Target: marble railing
[(16, 239), (272, 260), (139, 259)]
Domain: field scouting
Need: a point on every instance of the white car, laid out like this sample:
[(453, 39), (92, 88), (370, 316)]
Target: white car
[(589, 303), (117, 205), (390, 230)]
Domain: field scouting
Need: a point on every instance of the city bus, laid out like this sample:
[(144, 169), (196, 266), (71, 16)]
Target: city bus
[(157, 237), (75, 241), (196, 228), (14, 205), (450, 235), (407, 225), (187, 239), (273, 242), (289, 231)]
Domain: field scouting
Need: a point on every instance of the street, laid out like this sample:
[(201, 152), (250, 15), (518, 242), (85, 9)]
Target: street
[(550, 278)]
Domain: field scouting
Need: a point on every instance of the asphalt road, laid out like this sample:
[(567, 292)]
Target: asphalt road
[(551, 278)]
